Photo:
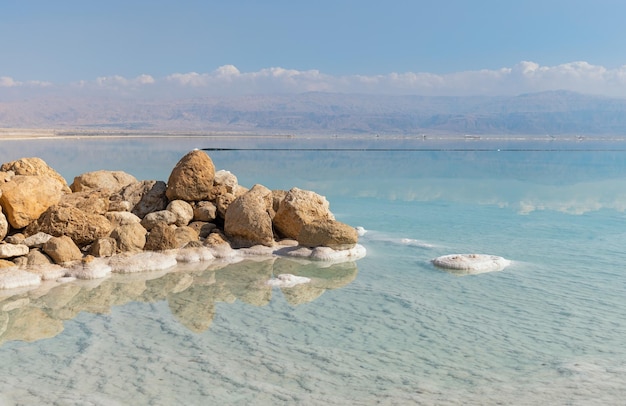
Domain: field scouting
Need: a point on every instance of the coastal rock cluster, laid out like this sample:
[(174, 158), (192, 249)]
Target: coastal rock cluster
[(52, 230)]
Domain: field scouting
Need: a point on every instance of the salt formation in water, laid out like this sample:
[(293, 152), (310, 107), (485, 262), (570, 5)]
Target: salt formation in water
[(471, 263), (286, 280)]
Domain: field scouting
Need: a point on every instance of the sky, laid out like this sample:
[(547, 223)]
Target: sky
[(434, 47)]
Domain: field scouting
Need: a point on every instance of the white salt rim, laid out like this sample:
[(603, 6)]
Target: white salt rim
[(472, 262)]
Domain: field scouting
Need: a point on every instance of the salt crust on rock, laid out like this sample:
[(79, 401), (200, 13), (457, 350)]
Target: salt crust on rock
[(471, 263), (95, 269), (141, 262), (14, 277)]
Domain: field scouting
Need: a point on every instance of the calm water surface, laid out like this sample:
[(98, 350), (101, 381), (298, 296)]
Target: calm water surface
[(387, 329)]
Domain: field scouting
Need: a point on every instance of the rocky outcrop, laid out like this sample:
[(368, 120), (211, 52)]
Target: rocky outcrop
[(192, 178), (108, 217)]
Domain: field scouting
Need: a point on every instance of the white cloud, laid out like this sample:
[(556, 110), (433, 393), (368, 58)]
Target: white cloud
[(6, 81), (120, 81), (524, 77)]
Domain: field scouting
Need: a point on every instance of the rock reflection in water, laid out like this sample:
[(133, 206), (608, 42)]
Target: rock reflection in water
[(191, 293)]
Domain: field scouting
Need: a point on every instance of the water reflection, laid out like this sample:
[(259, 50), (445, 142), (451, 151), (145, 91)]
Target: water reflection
[(190, 291)]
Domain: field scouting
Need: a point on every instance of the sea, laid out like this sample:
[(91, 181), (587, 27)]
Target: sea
[(387, 329)]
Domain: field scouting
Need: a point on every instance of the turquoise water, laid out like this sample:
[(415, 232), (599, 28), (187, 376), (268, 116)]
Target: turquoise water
[(386, 329)]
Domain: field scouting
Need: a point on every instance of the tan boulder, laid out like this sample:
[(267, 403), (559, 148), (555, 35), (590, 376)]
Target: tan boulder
[(202, 228), (247, 221), (328, 233), (300, 207), (129, 237), (184, 235), (222, 202), (13, 250), (204, 211), (34, 167), (4, 224), (121, 218), (62, 249), (192, 178), (24, 198), (83, 228), (112, 181), (163, 216), (145, 197), (161, 237), (183, 211), (36, 257), (94, 201), (103, 247)]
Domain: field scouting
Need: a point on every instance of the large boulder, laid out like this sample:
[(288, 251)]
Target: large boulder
[(192, 178), (62, 249), (145, 197), (83, 228), (163, 216), (34, 167), (328, 233), (24, 198), (129, 237), (183, 211), (112, 181), (204, 211), (94, 201), (184, 235), (4, 224), (300, 207), (161, 237), (103, 247), (247, 221)]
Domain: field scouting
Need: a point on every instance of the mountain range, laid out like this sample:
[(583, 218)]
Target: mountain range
[(553, 112)]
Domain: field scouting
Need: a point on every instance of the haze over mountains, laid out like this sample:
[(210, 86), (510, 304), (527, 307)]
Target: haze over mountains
[(552, 112)]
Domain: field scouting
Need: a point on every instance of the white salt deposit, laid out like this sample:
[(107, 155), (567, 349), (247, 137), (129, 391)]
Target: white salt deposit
[(287, 280), (141, 262), (47, 272), (194, 255), (471, 263), (360, 231), (95, 269), (14, 277)]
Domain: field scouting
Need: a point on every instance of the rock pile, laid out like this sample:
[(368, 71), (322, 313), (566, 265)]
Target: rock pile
[(47, 227)]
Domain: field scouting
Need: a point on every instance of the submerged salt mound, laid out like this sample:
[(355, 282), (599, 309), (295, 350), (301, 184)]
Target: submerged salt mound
[(14, 277), (471, 263), (141, 262), (324, 253), (286, 280)]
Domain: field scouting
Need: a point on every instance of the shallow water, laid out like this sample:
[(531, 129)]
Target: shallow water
[(389, 328)]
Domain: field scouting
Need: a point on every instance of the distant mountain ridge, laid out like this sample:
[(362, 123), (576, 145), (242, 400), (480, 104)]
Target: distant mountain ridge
[(553, 112)]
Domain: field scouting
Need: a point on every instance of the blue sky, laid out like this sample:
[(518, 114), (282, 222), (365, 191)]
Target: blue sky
[(67, 41)]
